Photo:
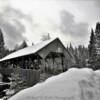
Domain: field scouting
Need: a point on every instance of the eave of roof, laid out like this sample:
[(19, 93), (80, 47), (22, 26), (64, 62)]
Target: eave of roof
[(28, 50)]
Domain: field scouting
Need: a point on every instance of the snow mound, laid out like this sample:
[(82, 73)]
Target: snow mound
[(75, 84)]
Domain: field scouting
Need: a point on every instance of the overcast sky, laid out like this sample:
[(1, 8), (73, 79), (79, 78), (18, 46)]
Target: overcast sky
[(70, 20)]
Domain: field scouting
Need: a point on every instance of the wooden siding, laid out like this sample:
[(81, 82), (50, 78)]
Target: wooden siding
[(55, 46), (30, 77), (52, 47)]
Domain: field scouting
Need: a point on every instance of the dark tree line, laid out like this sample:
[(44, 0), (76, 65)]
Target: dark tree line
[(4, 51), (79, 55)]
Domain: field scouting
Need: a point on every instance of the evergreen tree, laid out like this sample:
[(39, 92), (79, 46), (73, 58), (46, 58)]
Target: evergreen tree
[(92, 50), (71, 49), (97, 45), (97, 29), (92, 44), (21, 46), (2, 49)]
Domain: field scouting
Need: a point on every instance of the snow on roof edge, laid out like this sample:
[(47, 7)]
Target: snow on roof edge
[(28, 51)]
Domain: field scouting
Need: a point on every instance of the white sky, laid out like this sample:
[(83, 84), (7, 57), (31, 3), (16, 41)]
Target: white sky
[(44, 16)]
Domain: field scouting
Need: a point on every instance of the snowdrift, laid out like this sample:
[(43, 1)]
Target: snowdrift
[(75, 84)]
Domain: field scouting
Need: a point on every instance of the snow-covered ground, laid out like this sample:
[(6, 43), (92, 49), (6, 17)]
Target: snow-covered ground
[(75, 84)]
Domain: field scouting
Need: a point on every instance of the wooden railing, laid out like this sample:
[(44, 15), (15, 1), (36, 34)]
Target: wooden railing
[(30, 76)]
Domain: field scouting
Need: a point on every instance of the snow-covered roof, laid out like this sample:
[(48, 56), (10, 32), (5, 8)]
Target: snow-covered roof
[(28, 50)]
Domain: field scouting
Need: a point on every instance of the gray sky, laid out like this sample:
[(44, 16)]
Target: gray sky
[(70, 20)]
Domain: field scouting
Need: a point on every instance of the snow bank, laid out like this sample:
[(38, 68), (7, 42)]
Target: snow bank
[(75, 84)]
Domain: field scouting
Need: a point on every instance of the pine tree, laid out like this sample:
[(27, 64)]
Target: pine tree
[(97, 29), (2, 49), (92, 50), (92, 44), (17, 83), (21, 46), (97, 44), (71, 49)]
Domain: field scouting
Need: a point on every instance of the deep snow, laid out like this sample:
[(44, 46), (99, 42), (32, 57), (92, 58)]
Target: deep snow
[(75, 84)]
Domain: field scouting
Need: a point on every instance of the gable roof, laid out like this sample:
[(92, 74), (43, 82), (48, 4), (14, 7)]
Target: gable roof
[(28, 50)]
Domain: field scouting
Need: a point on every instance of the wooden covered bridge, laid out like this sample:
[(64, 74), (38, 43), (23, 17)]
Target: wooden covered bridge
[(47, 56)]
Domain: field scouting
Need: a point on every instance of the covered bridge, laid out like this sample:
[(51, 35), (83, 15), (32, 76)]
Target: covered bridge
[(47, 55)]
